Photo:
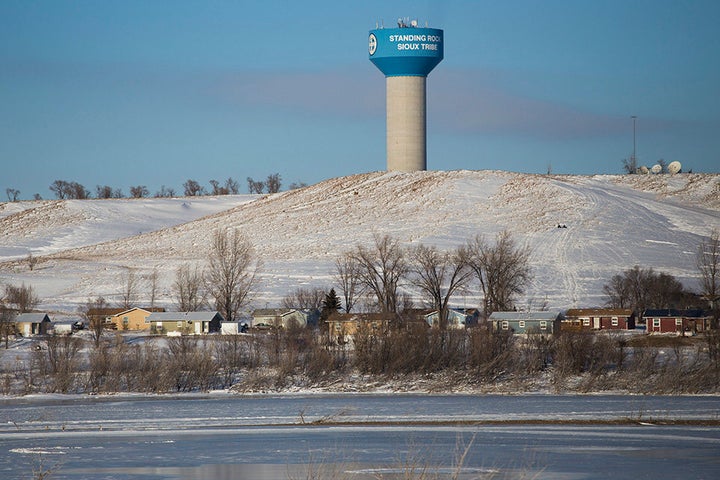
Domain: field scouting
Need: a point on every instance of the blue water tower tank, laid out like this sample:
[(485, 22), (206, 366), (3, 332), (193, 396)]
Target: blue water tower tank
[(406, 55)]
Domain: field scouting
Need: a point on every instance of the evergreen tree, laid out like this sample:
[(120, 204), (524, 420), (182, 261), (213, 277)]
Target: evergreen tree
[(330, 305)]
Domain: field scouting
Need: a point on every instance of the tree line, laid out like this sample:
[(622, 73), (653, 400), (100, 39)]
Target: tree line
[(63, 189)]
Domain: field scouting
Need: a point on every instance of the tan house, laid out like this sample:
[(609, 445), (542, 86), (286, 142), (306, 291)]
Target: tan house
[(133, 319), (343, 326), (280, 318)]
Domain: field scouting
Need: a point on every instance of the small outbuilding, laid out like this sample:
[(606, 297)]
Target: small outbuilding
[(27, 324)]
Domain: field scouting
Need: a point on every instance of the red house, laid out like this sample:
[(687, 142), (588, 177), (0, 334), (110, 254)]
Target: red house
[(599, 319), (678, 321)]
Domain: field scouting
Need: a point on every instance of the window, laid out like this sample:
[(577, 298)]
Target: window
[(586, 322), (678, 322), (505, 325), (521, 323), (125, 320), (179, 324), (656, 323), (543, 325), (614, 321)]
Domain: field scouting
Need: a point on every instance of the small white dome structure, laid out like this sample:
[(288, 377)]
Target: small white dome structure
[(657, 168), (643, 170)]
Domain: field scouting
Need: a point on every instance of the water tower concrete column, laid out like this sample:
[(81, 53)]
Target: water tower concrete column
[(406, 55), (406, 124)]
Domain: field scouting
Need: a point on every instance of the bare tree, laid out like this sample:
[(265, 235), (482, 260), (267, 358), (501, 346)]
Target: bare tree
[(639, 288), (129, 293), (304, 299), (630, 165), (217, 189), (139, 191), (232, 187), (7, 324), (12, 194), (503, 270), (188, 289), (106, 191), (381, 269), (32, 261), (255, 186), (22, 299), (59, 188), (296, 185), (273, 183), (91, 312), (193, 188), (153, 280), (617, 292), (708, 263), (76, 191), (232, 272), (438, 275), (347, 275), (165, 192)]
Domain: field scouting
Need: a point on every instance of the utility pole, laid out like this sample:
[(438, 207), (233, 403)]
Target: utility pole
[(634, 158)]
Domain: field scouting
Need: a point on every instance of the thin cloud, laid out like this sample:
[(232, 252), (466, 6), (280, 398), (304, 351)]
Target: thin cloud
[(471, 103)]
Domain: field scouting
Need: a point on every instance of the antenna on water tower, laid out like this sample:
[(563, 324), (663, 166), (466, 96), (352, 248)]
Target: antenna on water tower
[(406, 55)]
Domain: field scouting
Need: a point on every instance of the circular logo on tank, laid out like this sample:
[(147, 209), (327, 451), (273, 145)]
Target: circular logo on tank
[(372, 44)]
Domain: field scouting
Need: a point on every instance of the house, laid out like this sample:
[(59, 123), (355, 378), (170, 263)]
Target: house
[(132, 319), (282, 317), (521, 323), (342, 327), (577, 319), (102, 314), (457, 318), (27, 324), (677, 321), (188, 323)]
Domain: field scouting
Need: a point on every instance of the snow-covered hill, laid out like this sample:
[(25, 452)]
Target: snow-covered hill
[(613, 223)]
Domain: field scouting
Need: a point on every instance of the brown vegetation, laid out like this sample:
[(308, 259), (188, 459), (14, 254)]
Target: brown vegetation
[(413, 357)]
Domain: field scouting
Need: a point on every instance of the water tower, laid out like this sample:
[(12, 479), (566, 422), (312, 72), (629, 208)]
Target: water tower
[(406, 55)]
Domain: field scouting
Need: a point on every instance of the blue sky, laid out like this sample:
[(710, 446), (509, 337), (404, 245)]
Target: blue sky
[(153, 93)]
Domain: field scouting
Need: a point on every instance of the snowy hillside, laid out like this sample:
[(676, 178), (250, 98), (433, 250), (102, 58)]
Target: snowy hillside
[(613, 223)]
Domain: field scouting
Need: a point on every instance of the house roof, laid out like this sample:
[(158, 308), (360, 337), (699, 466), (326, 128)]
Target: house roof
[(103, 312), (272, 312), (357, 317), (183, 316), (670, 312), (525, 316), (32, 317), (599, 312)]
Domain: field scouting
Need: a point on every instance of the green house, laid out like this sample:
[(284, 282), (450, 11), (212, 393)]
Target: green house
[(522, 323)]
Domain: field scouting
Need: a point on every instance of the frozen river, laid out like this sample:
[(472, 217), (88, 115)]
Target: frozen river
[(361, 437)]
